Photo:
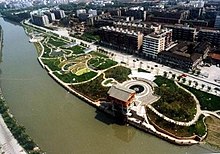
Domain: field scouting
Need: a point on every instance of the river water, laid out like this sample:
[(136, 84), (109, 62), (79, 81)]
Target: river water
[(57, 120)]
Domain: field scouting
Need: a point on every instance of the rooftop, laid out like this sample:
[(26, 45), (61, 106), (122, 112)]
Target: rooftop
[(120, 92)]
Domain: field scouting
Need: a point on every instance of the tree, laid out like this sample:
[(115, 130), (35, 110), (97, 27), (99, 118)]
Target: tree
[(165, 74), (173, 76), (203, 86), (184, 80), (178, 78), (209, 88), (190, 82), (196, 83)]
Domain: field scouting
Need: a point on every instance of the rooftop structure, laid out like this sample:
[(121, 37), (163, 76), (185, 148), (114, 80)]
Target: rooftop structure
[(121, 98), (185, 55)]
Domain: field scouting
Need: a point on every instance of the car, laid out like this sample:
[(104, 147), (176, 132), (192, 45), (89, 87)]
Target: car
[(184, 75)]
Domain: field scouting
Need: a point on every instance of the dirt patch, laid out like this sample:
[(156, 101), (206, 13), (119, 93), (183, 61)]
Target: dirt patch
[(213, 137)]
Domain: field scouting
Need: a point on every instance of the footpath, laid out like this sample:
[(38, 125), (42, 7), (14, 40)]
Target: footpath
[(8, 144)]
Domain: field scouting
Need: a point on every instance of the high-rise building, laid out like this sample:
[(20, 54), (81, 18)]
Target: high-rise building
[(156, 42), (78, 12), (59, 14), (51, 16), (152, 45), (217, 22), (40, 20), (92, 12)]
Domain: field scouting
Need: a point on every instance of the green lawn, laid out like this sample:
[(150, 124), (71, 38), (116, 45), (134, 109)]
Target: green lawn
[(98, 54), (77, 49), (174, 103), (93, 89), (119, 73), (52, 64), (56, 42), (47, 51), (100, 63), (73, 78), (207, 101)]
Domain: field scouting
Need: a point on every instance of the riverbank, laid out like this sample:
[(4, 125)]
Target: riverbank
[(99, 106), (13, 138)]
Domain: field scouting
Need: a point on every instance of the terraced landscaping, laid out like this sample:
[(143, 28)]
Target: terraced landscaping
[(179, 131), (174, 103)]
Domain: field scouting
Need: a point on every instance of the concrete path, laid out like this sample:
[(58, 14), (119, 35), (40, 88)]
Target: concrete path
[(8, 143)]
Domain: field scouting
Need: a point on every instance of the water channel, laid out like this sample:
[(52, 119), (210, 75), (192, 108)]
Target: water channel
[(57, 120)]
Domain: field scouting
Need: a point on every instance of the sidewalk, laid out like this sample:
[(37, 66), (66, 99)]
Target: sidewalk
[(8, 143)]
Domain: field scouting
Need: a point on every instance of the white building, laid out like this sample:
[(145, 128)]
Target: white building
[(78, 12), (199, 3), (217, 22), (153, 44), (157, 42), (92, 12)]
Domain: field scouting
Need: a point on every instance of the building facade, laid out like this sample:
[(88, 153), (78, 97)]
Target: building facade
[(217, 22), (212, 36), (121, 39), (183, 33), (156, 42), (40, 20)]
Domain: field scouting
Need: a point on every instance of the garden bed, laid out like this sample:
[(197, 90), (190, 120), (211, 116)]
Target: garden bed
[(92, 89), (119, 73), (174, 103)]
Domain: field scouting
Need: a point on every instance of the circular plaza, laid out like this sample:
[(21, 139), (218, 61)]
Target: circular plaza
[(144, 89)]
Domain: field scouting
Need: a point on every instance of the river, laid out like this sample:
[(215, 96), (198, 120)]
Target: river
[(57, 120)]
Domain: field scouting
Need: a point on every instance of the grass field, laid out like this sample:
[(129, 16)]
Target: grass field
[(100, 63), (207, 101), (52, 64), (73, 78), (56, 42)]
